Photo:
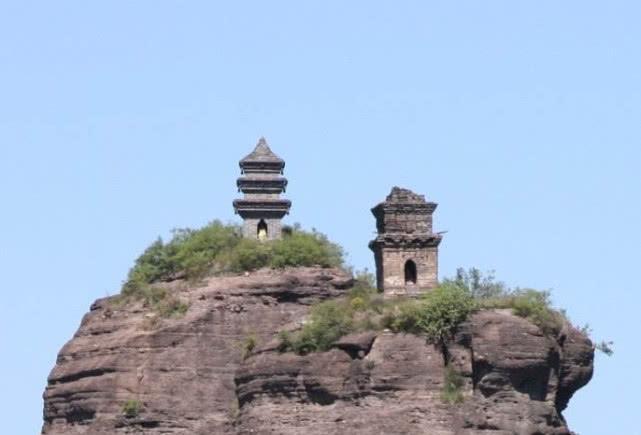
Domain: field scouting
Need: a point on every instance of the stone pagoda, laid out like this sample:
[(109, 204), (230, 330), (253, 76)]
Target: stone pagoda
[(406, 249), (262, 183)]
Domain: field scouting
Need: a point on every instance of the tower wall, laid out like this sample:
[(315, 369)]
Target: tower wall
[(407, 222), (274, 228), (392, 270), (404, 224)]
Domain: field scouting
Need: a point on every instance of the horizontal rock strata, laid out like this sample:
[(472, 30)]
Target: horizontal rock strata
[(195, 375)]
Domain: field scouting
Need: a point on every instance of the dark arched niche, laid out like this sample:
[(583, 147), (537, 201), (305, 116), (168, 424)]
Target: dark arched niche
[(261, 231), (410, 272)]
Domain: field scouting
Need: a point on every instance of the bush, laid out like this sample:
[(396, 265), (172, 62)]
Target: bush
[(604, 346), (153, 265), (159, 299), (193, 254), (328, 322), (131, 408), (305, 249), (480, 286), (534, 305), (171, 307), (248, 346), (452, 384), (190, 253), (359, 310), (436, 315), (366, 279), (194, 251), (216, 247), (249, 255), (404, 316)]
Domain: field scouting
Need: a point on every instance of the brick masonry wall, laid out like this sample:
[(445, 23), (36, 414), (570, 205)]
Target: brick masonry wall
[(408, 223), (391, 270), (250, 228)]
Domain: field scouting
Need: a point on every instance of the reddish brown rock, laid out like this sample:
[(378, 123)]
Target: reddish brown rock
[(182, 370), (193, 375)]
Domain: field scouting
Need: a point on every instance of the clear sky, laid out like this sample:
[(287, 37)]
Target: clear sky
[(121, 120)]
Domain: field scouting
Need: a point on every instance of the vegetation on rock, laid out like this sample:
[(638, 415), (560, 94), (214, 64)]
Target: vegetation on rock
[(436, 315), (131, 408), (248, 345), (218, 248), (452, 386)]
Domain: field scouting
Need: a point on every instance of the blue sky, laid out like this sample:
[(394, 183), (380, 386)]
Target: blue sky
[(121, 120)]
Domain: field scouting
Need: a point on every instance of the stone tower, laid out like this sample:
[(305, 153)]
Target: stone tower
[(262, 183), (406, 249)]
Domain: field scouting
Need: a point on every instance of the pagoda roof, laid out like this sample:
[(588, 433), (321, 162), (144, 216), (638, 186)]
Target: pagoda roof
[(404, 200), (399, 195), (262, 154)]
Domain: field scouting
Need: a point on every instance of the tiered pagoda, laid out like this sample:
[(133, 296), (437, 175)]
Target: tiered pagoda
[(406, 249), (262, 183)]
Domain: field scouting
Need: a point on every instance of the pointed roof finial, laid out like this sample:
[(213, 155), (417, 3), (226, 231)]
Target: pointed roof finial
[(262, 153)]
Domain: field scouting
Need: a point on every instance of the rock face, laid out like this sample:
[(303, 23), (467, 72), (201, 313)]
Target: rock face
[(197, 375)]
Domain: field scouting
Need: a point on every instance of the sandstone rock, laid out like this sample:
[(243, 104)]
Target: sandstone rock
[(181, 371), (356, 345), (191, 375)]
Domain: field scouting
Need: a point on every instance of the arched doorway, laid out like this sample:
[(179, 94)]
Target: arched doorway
[(262, 230), (410, 272)]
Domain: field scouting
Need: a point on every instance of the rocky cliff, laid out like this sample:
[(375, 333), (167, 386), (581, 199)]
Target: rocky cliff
[(194, 374)]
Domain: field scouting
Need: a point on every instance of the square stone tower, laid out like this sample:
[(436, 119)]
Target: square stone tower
[(262, 183), (406, 249)]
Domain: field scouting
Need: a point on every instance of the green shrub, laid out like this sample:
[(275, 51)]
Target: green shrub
[(196, 250), (357, 304), (131, 408), (153, 265), (366, 279), (603, 346), (171, 307), (249, 255), (436, 315), (403, 316), (452, 385), (359, 310), (328, 321), (479, 285), (286, 341), (193, 254), (534, 305), (305, 249), (157, 298), (248, 346), (216, 247)]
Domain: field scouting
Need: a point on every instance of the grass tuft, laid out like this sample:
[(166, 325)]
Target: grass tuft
[(131, 408), (452, 386)]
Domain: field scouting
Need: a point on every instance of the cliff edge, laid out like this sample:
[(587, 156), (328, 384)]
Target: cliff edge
[(218, 369)]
